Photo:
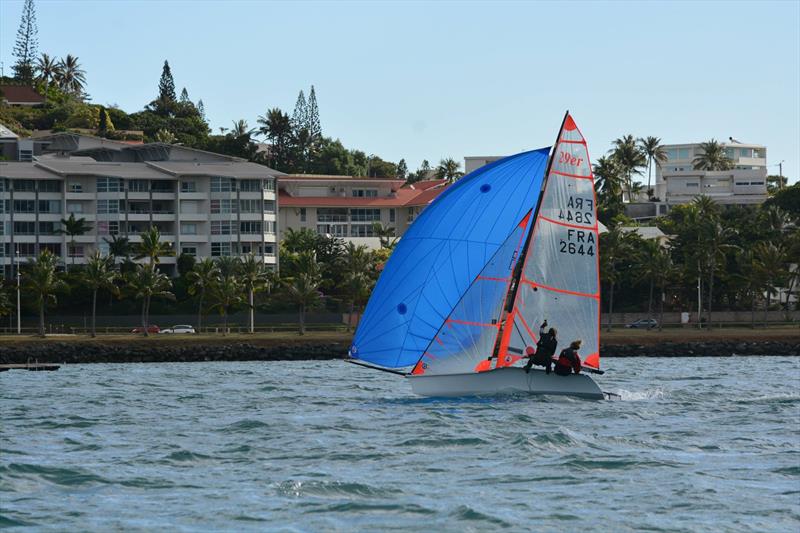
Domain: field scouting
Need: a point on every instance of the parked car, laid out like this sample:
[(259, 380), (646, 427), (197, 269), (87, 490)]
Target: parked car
[(150, 329), (643, 323), (179, 329)]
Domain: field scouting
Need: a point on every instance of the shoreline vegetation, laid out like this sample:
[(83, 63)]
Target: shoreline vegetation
[(76, 349)]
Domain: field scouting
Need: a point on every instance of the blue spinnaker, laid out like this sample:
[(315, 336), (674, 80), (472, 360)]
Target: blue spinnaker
[(441, 254)]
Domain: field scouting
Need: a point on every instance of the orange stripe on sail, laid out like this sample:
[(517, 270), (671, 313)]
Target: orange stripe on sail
[(567, 224), (565, 291), (576, 176)]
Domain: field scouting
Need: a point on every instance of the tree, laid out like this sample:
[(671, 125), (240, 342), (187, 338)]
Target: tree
[(43, 282), (386, 235), (655, 153), (714, 242), (402, 169), (71, 77), (649, 265), (313, 124), (166, 85), (151, 246), (713, 157), (202, 278), (27, 43), (277, 127), (630, 158), (254, 278), (614, 245), (98, 274), (5, 302), (184, 98), (201, 109), (146, 283), (787, 199), (449, 169), (302, 287), (104, 124), (119, 247), (356, 263), (241, 128), (300, 115), (48, 70), (73, 227), (164, 136), (751, 278), (770, 264), (609, 183), (227, 291), (775, 183)]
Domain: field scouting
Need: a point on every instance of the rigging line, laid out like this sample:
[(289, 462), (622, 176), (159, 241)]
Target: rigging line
[(365, 365), (564, 291)]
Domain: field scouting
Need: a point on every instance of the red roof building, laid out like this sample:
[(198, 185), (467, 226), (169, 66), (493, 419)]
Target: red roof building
[(21, 95)]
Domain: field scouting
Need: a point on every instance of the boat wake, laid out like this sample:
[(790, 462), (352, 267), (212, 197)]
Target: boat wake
[(638, 396)]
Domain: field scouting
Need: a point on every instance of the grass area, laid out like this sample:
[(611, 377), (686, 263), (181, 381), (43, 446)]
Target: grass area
[(616, 336)]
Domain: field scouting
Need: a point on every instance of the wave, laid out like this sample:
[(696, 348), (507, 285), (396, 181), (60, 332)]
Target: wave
[(298, 488), (60, 476), (638, 396)]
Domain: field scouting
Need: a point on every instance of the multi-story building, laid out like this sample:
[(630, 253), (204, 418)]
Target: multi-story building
[(205, 204), (348, 207), (746, 183)]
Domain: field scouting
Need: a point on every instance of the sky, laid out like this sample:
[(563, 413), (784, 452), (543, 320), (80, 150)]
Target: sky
[(424, 80)]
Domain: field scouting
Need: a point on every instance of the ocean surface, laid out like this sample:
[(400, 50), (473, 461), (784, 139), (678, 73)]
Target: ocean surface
[(695, 444)]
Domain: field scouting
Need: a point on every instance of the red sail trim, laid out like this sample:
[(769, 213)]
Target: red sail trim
[(576, 176), (437, 339), (593, 361), (528, 328), (506, 338), (569, 141), (567, 224), (569, 124), (466, 323), (506, 280), (564, 291)]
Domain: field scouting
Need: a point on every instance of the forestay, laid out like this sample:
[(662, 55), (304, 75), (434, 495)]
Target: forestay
[(441, 255), (560, 277)]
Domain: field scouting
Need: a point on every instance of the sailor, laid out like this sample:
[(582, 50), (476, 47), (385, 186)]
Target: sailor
[(569, 360), (545, 349)]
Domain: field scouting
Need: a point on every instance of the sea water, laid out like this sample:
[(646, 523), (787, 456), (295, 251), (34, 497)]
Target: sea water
[(695, 444)]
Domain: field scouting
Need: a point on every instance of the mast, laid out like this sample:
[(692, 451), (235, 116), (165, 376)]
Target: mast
[(514, 285)]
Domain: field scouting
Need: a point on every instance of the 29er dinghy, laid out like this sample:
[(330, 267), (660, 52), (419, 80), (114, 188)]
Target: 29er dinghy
[(462, 296)]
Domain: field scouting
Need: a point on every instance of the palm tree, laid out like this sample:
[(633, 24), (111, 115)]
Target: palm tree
[(770, 262), (152, 247), (713, 157), (146, 283), (98, 274), (751, 278), (277, 127), (714, 242), (226, 293), (614, 245), (48, 69), (201, 279), (655, 153), (449, 169), (356, 264), (73, 227), (255, 278), (5, 302), (630, 158), (649, 264), (303, 287), (42, 280), (386, 235), (241, 128), (71, 77)]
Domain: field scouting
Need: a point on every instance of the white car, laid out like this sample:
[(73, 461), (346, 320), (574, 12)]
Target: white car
[(182, 328)]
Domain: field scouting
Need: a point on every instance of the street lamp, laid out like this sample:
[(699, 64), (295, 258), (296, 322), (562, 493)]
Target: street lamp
[(19, 301)]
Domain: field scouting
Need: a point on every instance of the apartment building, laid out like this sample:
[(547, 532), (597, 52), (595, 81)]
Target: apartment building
[(205, 204), (348, 207)]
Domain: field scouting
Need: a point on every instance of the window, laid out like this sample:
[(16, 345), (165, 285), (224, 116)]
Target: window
[(188, 229), (693, 185), (138, 186), (683, 153), (49, 206), (105, 207), (223, 206), (729, 153), (54, 248), (162, 186), (221, 227), (672, 153), (365, 215), (49, 228), (74, 207), (3, 185), (391, 215), (221, 185), (107, 227), (331, 214), (2, 228), (49, 186), (104, 248), (24, 186), (365, 193), (269, 249), (334, 230), (250, 228), (75, 187), (745, 152), (75, 250), (219, 249), (189, 186), (362, 230), (189, 250), (24, 206), (25, 228), (269, 184), (757, 153), (250, 206), (249, 185), (269, 206), (109, 185), (26, 249), (26, 155), (302, 214), (269, 227)]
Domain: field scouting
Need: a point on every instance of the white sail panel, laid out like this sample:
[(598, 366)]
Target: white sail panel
[(564, 258), (569, 201)]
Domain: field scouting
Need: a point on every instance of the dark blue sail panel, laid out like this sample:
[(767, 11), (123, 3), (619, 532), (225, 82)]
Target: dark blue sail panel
[(441, 254)]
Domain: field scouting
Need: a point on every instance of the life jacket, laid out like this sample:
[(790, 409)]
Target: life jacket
[(568, 361)]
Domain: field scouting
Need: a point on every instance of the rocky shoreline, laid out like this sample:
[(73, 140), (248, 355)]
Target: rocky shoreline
[(93, 352)]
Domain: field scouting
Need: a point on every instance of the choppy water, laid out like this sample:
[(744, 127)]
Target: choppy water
[(695, 444)]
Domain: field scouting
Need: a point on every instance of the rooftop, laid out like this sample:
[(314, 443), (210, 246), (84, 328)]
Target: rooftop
[(21, 94)]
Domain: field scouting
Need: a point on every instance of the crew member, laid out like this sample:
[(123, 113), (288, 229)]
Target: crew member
[(569, 360), (545, 349)]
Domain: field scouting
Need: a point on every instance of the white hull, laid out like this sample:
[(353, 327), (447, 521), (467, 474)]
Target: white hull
[(504, 381)]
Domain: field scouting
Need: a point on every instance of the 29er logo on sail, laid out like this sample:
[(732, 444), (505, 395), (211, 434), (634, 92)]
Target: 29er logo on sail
[(579, 242)]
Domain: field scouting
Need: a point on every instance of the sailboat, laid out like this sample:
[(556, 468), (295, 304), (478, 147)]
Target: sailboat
[(460, 301)]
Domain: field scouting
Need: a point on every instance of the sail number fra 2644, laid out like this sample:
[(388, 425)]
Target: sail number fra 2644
[(578, 242), (579, 210)]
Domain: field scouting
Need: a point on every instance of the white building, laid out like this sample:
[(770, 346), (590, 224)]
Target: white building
[(205, 204)]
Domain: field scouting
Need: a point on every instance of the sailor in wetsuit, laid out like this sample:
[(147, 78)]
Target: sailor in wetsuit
[(545, 349), (569, 360)]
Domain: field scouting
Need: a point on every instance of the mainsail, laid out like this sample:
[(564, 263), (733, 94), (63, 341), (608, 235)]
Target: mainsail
[(560, 278), (441, 256)]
